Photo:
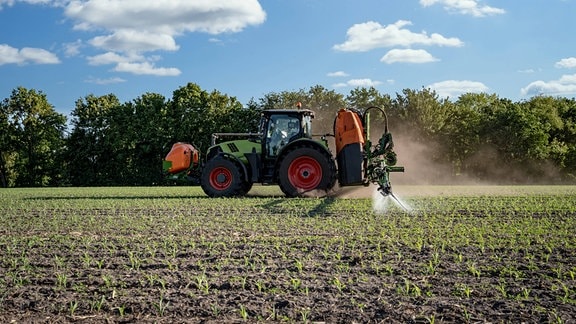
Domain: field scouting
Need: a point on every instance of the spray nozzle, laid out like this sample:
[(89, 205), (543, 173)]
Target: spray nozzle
[(385, 190)]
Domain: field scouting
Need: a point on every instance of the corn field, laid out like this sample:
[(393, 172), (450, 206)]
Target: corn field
[(170, 254)]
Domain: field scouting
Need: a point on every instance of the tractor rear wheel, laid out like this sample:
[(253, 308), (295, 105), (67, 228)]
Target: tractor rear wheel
[(304, 170), (222, 177)]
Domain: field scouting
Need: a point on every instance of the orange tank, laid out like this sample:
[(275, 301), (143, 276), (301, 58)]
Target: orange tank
[(182, 155), (349, 134), (348, 129)]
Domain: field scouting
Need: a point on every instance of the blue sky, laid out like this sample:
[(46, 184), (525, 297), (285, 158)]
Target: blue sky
[(247, 48)]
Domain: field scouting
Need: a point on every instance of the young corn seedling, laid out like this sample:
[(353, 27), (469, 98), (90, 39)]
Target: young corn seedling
[(431, 267), (73, 307), (151, 278), (59, 262), (215, 309), (135, 260), (473, 270), (86, 259), (202, 283), (304, 314), (338, 284), (96, 305), (243, 312), (260, 285), (161, 306), (61, 280), (121, 310), (463, 290), (502, 289), (295, 283), (299, 265)]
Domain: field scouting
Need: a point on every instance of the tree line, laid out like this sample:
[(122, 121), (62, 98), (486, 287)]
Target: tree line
[(109, 143)]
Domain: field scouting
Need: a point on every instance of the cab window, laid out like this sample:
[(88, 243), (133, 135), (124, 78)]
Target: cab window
[(281, 130)]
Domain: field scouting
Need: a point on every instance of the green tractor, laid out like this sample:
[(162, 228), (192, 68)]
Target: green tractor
[(285, 152)]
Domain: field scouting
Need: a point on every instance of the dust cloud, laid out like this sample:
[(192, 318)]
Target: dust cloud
[(426, 164)]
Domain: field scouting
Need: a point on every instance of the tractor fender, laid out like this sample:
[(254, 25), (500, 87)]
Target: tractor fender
[(238, 161), (298, 143)]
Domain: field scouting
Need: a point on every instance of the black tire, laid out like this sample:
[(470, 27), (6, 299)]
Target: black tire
[(246, 187), (305, 170), (222, 177)]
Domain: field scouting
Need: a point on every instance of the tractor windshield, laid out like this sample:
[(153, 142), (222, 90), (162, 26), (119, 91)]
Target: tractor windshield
[(281, 130)]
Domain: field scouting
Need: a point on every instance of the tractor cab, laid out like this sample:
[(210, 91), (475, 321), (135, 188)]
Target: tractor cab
[(280, 127)]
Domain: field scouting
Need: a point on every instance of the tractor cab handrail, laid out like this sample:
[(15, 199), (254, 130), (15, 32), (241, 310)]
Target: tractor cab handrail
[(215, 136)]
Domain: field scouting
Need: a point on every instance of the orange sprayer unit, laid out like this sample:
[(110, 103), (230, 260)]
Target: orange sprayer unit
[(181, 157)]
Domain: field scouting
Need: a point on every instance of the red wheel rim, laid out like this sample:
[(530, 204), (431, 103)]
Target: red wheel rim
[(305, 173), (220, 178)]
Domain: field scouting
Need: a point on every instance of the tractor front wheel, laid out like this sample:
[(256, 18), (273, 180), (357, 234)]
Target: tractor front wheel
[(222, 177), (304, 170)]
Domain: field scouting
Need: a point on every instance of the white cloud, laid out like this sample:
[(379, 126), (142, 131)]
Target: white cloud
[(455, 88), (370, 35), (526, 71), (358, 83), (465, 7), (10, 3), (145, 68), (167, 17), (408, 56), (135, 64), (54, 3), (105, 81), (566, 85), (337, 74), (111, 58), (135, 41), (73, 48), (363, 83), (566, 63), (26, 55)]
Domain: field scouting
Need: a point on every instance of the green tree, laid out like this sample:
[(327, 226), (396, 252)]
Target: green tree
[(90, 154), (6, 147), (422, 114), (518, 138), (33, 139), (362, 98), (462, 132), (562, 114), (143, 140), (567, 111), (187, 116)]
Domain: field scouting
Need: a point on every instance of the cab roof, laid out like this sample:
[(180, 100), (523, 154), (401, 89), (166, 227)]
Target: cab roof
[(304, 112)]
